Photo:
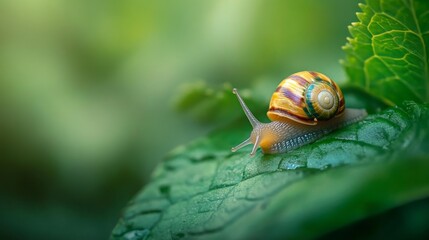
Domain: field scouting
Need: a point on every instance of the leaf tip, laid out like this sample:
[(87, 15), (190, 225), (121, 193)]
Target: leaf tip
[(360, 16), (349, 39), (362, 6), (347, 46)]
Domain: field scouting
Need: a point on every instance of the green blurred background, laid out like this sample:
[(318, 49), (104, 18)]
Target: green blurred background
[(90, 92)]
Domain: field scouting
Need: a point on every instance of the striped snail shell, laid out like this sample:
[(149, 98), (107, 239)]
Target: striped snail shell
[(306, 97), (305, 107)]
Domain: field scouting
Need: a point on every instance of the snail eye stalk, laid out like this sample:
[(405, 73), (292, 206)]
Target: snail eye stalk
[(246, 110)]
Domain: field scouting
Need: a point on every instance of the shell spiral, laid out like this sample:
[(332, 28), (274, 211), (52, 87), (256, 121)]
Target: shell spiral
[(306, 97)]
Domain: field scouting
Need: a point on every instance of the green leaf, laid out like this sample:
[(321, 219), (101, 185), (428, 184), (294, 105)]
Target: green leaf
[(204, 191), (388, 53)]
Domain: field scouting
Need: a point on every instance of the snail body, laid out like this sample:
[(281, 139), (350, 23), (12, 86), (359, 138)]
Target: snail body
[(305, 107)]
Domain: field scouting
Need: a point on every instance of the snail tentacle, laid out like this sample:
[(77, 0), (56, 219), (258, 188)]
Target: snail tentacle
[(256, 144), (241, 145), (249, 114)]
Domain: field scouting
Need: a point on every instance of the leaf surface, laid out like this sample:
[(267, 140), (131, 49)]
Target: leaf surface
[(204, 191)]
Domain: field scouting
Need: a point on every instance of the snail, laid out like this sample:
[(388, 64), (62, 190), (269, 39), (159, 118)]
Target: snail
[(305, 107)]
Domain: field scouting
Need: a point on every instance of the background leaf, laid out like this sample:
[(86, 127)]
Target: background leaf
[(388, 52), (203, 190)]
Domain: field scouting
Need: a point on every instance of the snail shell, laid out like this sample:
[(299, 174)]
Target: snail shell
[(306, 97), (305, 107)]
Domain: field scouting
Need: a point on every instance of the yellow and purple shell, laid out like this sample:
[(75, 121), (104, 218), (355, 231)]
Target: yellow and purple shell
[(306, 97)]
